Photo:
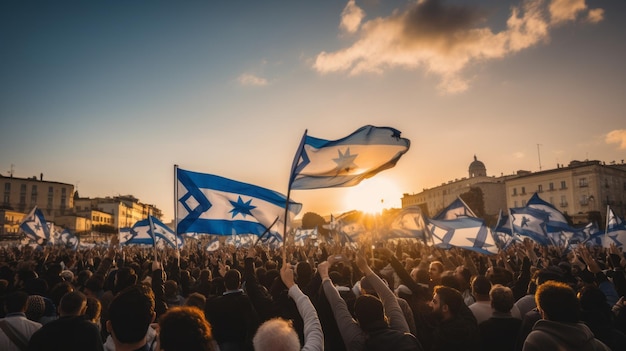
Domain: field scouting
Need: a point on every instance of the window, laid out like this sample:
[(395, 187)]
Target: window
[(563, 201), (563, 185), (515, 192), (7, 186), (515, 203), (582, 182), (584, 200), (523, 190), (551, 186), (540, 188)]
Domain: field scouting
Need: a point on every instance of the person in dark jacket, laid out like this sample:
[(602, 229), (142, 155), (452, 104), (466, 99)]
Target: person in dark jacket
[(72, 331), (457, 329)]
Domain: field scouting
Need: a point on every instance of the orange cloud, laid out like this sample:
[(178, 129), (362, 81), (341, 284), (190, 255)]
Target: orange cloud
[(247, 79), (443, 39), (617, 136), (351, 17)]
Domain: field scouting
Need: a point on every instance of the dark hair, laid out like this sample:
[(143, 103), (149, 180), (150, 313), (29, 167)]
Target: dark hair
[(451, 297), (185, 328), (558, 302), (232, 279), (72, 303), (16, 302), (368, 311), (481, 285), (131, 313), (448, 278)]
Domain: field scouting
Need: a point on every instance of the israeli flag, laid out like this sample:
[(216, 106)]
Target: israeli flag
[(144, 232), (556, 220), (502, 233), (125, 234), (321, 163), (210, 204), (303, 234), (35, 227), (68, 239), (615, 230), (456, 209), (409, 223), (531, 223), (469, 233), (213, 245)]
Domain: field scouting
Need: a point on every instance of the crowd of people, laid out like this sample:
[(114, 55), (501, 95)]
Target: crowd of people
[(395, 295)]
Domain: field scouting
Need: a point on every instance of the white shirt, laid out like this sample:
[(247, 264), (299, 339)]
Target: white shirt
[(21, 325)]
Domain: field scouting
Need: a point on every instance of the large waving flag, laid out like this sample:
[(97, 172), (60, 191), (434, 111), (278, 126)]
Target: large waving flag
[(35, 227), (531, 223), (409, 223), (556, 220), (456, 209), (65, 237), (209, 204), (321, 163), (144, 233), (465, 232), (615, 230)]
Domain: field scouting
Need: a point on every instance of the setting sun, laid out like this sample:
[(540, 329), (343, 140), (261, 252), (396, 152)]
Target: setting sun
[(373, 195)]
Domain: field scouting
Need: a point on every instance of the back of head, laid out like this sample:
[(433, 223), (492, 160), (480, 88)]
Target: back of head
[(36, 307), (171, 288), (196, 299), (448, 278), (369, 312), (185, 328), (557, 302), (481, 285), (276, 335), (16, 302), (94, 309), (130, 314), (73, 303), (501, 298), (232, 279), (304, 273), (124, 277), (450, 297)]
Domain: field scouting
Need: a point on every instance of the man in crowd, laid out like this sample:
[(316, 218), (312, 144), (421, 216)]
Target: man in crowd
[(15, 328)]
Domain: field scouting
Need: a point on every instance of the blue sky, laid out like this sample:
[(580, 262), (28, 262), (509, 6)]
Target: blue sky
[(110, 95)]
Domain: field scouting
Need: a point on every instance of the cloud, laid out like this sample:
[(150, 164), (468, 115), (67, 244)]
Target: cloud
[(444, 39), (351, 17), (247, 79), (617, 136)]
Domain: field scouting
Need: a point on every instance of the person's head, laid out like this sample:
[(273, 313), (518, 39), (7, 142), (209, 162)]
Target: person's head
[(124, 277), (557, 302), (502, 299), (464, 276), (481, 286), (420, 275), (276, 335), (368, 310), (232, 279), (36, 307), (196, 300), (435, 269), (447, 302), (184, 328), (170, 288), (304, 273), (94, 309), (448, 278), (73, 303), (130, 315), (16, 302)]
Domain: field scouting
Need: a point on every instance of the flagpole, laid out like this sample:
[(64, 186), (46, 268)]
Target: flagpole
[(152, 234), (294, 165), (606, 227), (464, 204), (176, 214), (266, 231)]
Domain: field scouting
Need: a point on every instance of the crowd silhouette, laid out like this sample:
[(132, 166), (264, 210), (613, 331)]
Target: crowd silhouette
[(395, 295)]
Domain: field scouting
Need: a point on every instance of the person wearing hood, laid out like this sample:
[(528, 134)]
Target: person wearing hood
[(560, 327)]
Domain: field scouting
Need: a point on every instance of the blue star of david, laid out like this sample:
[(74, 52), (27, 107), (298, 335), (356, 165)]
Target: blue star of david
[(617, 242), (345, 161), (241, 207), (525, 222), (37, 227)]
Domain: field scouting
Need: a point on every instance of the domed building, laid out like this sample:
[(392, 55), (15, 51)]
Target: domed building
[(477, 169), (436, 199)]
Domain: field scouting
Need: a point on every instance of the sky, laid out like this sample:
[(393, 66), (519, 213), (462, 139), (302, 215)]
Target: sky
[(110, 95)]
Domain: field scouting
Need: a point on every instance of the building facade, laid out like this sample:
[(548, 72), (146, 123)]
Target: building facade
[(579, 189), (22, 194), (10, 223), (124, 210)]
